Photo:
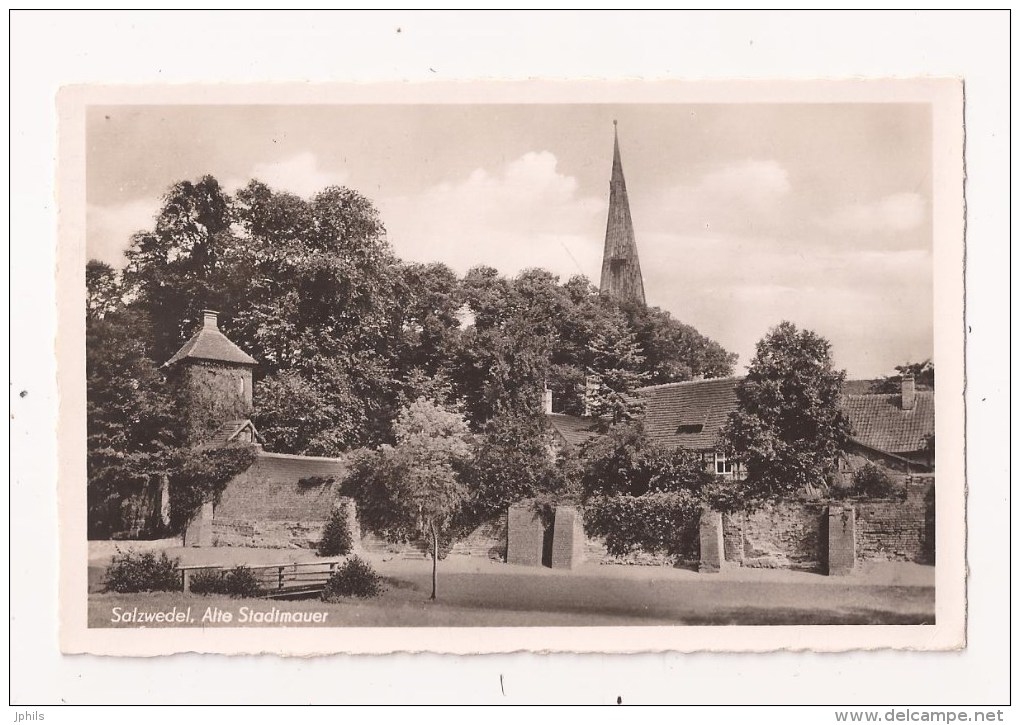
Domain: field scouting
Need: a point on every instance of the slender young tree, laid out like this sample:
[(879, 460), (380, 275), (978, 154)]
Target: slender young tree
[(414, 489)]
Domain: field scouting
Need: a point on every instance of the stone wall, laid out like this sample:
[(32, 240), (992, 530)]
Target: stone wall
[(900, 530), (529, 539), (795, 534), (788, 535), (487, 540), (282, 501)]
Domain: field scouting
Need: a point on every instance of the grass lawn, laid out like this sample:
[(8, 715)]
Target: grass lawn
[(482, 593)]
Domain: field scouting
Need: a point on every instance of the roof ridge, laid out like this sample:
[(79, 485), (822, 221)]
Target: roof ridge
[(678, 383), (217, 347)]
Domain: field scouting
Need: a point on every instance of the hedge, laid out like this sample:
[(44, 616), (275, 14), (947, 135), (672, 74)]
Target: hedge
[(655, 523)]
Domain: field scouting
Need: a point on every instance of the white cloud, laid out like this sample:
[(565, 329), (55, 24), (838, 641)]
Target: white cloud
[(874, 306), (525, 214), (894, 213), (299, 175), (735, 196), (109, 228)]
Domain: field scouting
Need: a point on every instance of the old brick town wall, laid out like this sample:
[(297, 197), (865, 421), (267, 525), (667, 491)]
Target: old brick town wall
[(282, 501)]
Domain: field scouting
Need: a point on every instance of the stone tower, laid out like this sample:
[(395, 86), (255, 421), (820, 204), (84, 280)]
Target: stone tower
[(212, 378), (621, 270)]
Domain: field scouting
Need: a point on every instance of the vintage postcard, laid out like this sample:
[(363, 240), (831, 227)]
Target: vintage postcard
[(494, 367)]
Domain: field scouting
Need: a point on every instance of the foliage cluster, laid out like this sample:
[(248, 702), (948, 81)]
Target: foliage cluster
[(789, 429), (923, 374), (412, 491), (239, 582), (660, 522), (337, 537), (871, 481), (641, 496), (625, 461), (129, 415), (354, 578), (142, 572), (199, 475), (344, 332)]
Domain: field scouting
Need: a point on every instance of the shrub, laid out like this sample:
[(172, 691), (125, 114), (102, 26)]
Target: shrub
[(355, 578), (337, 538), (656, 523), (242, 582), (239, 582), (625, 461), (873, 482), (207, 581), (134, 572)]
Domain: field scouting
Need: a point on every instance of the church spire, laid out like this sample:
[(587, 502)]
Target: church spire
[(621, 271)]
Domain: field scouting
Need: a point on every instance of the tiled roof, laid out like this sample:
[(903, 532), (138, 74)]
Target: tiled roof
[(574, 429), (692, 414), (689, 414), (230, 430), (859, 387), (211, 344), (879, 421)]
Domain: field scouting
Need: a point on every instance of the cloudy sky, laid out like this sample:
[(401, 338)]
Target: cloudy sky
[(745, 214)]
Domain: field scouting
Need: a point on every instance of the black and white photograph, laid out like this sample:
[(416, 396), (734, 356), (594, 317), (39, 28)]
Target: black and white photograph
[(517, 357), (511, 364)]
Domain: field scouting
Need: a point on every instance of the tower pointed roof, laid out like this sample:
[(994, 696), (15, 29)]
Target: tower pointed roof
[(621, 270), (211, 344)]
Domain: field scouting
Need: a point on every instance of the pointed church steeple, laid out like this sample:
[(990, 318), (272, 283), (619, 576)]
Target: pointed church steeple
[(621, 270)]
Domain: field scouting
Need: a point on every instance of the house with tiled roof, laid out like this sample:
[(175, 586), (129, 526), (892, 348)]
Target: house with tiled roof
[(686, 415), (893, 430)]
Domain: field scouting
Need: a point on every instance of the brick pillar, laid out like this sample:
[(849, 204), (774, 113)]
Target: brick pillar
[(524, 536), (350, 511), (842, 540), (710, 535), (568, 538), (199, 531)]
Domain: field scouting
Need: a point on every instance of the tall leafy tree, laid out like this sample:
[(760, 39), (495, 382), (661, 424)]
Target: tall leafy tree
[(674, 351), (102, 290), (130, 418), (923, 374), (183, 265), (788, 430), (503, 359), (513, 461), (415, 488)]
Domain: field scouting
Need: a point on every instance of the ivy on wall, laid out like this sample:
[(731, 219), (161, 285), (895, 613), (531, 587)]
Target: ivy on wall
[(199, 475)]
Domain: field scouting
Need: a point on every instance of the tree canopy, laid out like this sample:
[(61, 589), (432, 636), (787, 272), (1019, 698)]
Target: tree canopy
[(345, 334), (789, 430)]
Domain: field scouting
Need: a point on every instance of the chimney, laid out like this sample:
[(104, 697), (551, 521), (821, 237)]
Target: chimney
[(209, 320), (547, 401), (907, 392)]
